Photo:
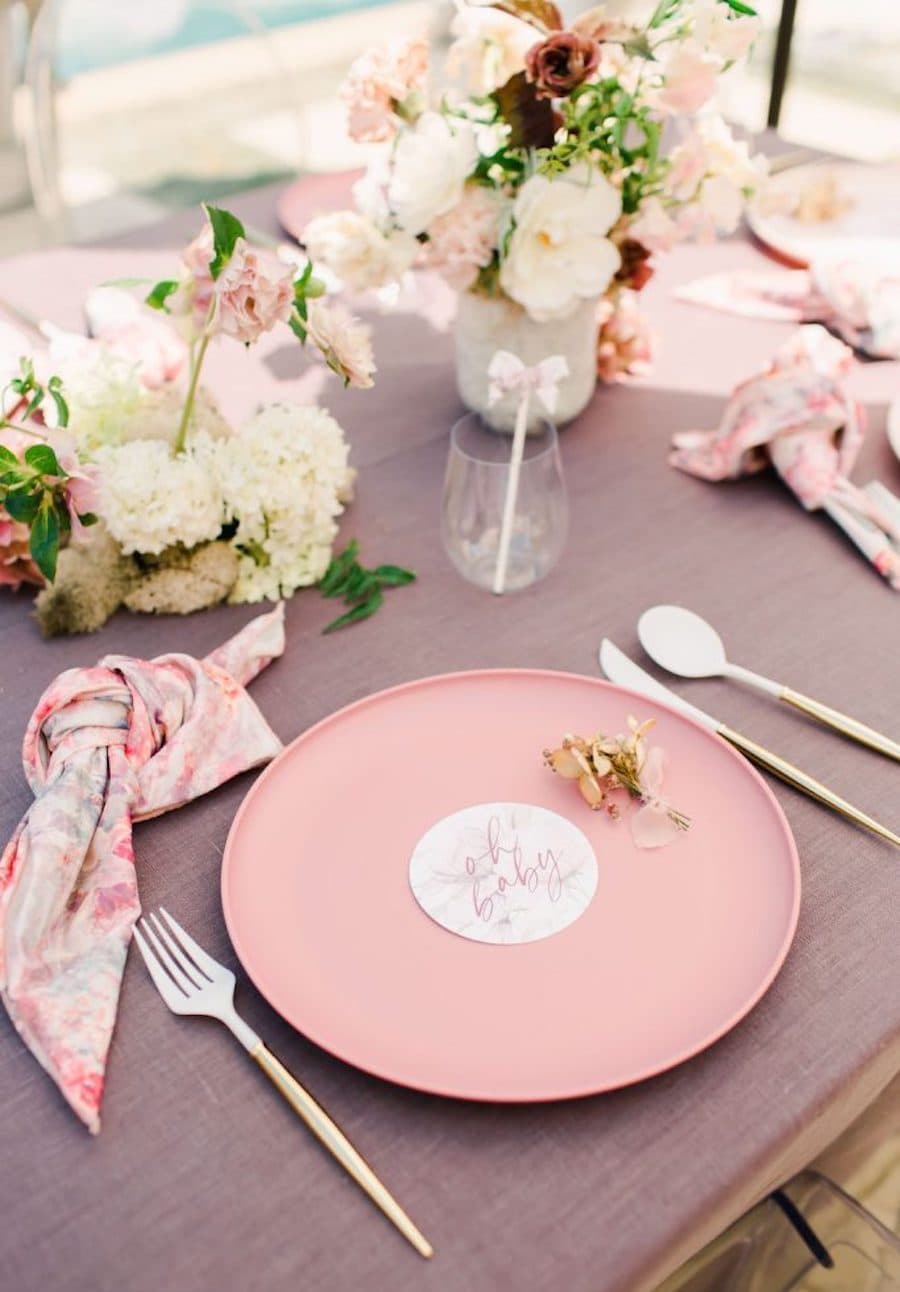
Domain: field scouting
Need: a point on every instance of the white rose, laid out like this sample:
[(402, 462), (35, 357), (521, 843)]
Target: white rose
[(725, 34), (432, 162), (357, 251), (558, 252), (720, 205), (489, 48)]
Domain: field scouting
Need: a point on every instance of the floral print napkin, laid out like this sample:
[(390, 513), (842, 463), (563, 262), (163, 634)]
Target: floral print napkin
[(106, 746), (797, 417)]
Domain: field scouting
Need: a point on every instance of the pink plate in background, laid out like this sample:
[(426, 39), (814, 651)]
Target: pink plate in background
[(676, 947)]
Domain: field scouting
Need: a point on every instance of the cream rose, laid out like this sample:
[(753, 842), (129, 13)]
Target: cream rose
[(432, 162), (489, 48), (357, 251), (558, 252)]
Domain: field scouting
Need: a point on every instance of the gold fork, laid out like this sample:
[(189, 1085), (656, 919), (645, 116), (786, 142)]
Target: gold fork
[(191, 982)]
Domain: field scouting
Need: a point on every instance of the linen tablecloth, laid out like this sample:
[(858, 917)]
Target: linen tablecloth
[(201, 1180)]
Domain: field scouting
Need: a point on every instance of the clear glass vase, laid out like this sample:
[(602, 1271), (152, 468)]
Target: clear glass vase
[(485, 324)]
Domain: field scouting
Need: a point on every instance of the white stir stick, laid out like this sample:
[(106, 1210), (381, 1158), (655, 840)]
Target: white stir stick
[(512, 491), (508, 375)]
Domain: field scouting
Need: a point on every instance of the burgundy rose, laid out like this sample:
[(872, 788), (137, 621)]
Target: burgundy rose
[(635, 271), (556, 65)]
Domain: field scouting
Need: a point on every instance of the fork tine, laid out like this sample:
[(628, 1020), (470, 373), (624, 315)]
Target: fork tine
[(164, 984), (168, 961), (178, 953), (200, 958)]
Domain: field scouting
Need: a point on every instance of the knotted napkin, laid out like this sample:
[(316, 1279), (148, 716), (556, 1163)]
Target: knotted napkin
[(797, 417), (106, 746), (859, 299)]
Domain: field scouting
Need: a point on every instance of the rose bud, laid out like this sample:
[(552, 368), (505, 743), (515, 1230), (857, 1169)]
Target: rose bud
[(557, 65)]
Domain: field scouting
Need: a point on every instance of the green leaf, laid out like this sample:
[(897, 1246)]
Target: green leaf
[(88, 518), (542, 14), (530, 119), (297, 326), (359, 584), (43, 459), (662, 13), (22, 505), (393, 576), (157, 296), (126, 282), (44, 540), (34, 403), (737, 6), (333, 580), (62, 408), (226, 229), (7, 456), (363, 610)]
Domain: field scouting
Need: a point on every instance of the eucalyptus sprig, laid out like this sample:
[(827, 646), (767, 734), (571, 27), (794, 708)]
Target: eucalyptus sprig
[(361, 589)]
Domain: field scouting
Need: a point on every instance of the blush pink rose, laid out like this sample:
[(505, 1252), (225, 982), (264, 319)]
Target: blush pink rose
[(378, 83), (254, 291), (464, 240)]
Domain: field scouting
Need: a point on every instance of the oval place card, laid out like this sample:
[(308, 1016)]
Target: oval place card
[(504, 873)]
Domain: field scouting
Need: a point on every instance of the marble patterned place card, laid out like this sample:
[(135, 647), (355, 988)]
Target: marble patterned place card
[(504, 873)]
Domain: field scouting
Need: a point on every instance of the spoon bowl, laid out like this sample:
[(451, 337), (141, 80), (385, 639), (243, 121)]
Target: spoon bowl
[(681, 642)]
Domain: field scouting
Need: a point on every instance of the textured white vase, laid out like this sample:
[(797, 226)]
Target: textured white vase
[(485, 324)]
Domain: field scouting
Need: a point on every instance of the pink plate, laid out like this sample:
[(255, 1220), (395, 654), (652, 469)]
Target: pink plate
[(676, 947), (314, 195)]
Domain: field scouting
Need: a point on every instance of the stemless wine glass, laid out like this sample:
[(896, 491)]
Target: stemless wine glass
[(474, 494)]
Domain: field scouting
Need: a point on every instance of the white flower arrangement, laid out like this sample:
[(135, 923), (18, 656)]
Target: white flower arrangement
[(186, 509), (546, 179)]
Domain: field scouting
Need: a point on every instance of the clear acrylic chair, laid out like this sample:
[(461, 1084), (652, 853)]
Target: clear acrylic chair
[(810, 1236)]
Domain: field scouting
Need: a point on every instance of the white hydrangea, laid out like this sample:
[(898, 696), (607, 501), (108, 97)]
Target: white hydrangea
[(150, 499), (281, 479), (102, 389)]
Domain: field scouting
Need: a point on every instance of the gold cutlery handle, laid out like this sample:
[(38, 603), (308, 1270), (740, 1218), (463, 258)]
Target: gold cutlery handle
[(842, 722), (334, 1139), (808, 784)]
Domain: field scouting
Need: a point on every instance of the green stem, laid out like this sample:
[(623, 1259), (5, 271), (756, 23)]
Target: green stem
[(181, 438), (6, 425)]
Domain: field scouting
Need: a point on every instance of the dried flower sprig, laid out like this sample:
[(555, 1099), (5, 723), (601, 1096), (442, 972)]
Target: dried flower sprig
[(606, 764)]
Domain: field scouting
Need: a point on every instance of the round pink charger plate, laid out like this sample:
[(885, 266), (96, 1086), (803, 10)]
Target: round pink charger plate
[(676, 947)]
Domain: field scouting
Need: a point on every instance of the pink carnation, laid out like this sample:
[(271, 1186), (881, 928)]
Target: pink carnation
[(254, 291), (16, 565), (464, 240), (344, 342), (378, 82)]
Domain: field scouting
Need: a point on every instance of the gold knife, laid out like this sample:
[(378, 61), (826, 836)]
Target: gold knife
[(619, 668)]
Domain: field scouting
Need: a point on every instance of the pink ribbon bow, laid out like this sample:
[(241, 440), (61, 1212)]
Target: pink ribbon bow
[(508, 375), (106, 746), (652, 825)]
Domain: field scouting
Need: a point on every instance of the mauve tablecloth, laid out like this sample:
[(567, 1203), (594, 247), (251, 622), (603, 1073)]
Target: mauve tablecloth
[(201, 1181)]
